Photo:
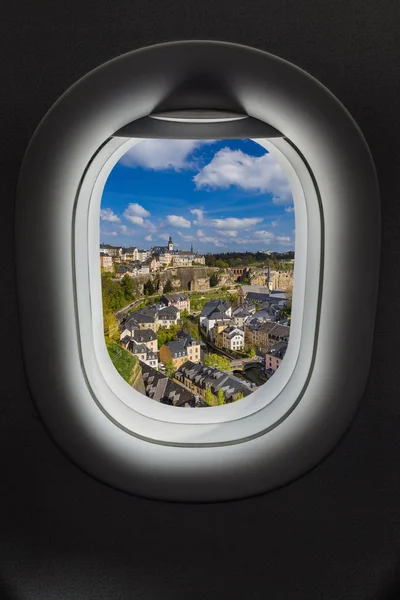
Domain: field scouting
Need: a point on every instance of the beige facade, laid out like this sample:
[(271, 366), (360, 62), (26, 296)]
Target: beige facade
[(106, 262)]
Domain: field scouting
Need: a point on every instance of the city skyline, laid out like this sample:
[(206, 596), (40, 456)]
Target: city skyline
[(219, 196)]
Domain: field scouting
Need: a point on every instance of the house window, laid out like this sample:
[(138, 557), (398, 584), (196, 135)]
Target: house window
[(98, 414)]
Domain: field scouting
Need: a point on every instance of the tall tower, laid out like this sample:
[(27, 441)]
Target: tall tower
[(191, 248), (170, 244)]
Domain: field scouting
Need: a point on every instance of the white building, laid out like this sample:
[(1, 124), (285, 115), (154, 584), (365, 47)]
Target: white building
[(233, 338)]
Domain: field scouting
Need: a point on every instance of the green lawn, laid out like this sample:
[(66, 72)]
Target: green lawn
[(125, 363), (198, 299)]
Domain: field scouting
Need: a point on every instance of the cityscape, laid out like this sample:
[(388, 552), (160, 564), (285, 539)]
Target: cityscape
[(203, 319), (193, 334)]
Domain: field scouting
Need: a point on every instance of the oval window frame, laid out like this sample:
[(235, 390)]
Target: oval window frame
[(215, 464)]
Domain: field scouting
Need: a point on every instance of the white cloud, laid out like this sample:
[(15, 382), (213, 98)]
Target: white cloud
[(284, 240), (199, 212), (162, 154), (274, 223), (136, 220), (113, 233), (134, 211), (107, 214), (177, 221), (251, 173), (228, 232), (233, 223), (209, 239), (148, 238), (289, 209), (186, 238), (164, 236), (125, 230), (264, 235)]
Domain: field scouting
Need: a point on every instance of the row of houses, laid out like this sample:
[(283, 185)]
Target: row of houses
[(154, 259), (162, 389), (138, 333), (198, 378), (124, 254), (254, 324)]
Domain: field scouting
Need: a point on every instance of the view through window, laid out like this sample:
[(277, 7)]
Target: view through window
[(197, 261)]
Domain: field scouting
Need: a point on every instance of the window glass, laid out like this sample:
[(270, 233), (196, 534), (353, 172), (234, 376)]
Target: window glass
[(197, 242)]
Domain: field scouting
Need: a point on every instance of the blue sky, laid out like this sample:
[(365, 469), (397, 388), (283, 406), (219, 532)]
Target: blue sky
[(220, 196)]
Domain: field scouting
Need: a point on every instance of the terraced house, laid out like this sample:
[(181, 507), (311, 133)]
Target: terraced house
[(182, 349), (160, 388), (263, 335), (198, 378)]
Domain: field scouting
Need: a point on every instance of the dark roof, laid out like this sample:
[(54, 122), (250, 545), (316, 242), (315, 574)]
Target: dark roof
[(159, 387), (187, 339), (215, 379), (137, 348), (257, 297), (177, 348), (142, 317), (276, 330), (176, 297), (144, 335), (278, 349), (212, 305)]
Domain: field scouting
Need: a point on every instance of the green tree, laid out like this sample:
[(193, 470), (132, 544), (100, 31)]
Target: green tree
[(170, 368), (209, 397), (221, 264), (251, 353), (220, 398), (127, 287), (149, 289), (168, 287), (165, 335), (215, 360)]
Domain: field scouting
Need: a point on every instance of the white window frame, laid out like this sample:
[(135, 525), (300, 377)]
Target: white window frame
[(288, 425)]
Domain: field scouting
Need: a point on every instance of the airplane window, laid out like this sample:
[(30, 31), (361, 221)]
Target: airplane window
[(170, 208), (197, 244)]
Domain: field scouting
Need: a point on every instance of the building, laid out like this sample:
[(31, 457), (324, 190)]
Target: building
[(147, 337), (166, 256), (239, 318), (129, 254), (113, 251), (106, 262), (233, 339), (255, 293), (214, 310), (146, 320), (168, 316), (198, 378), (142, 255), (181, 350), (274, 357), (263, 335), (180, 301), (162, 389)]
